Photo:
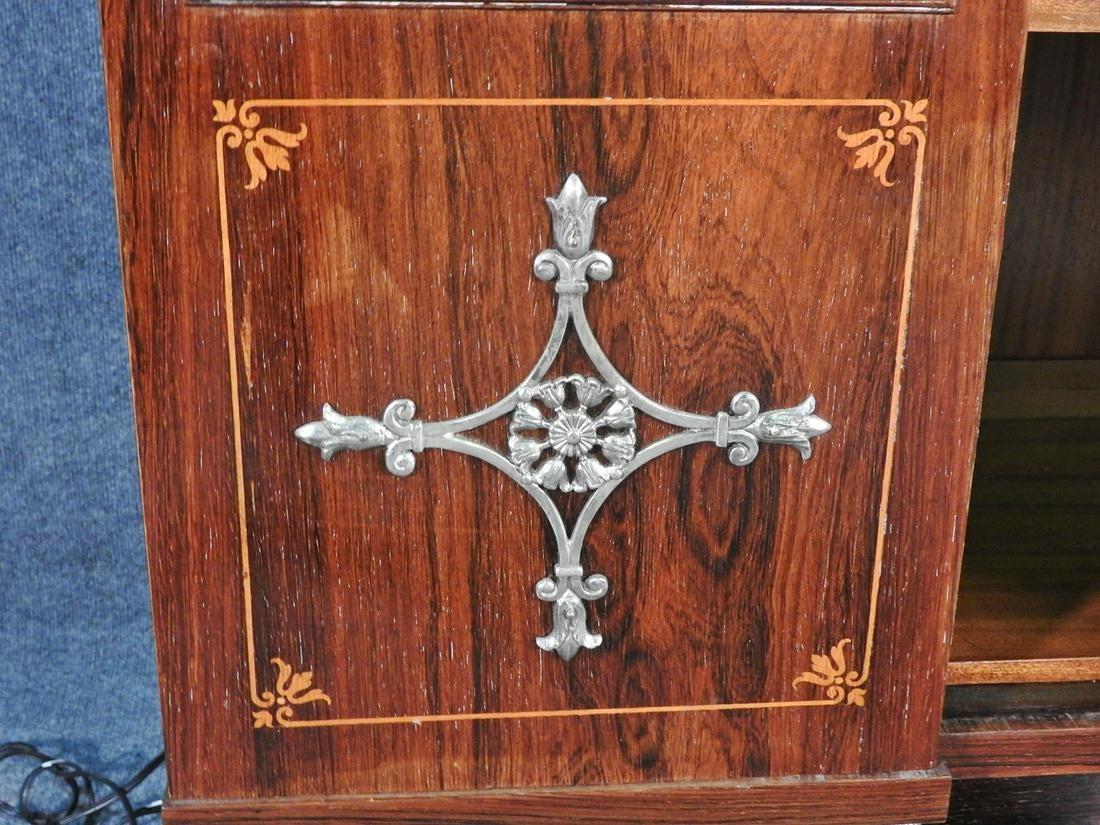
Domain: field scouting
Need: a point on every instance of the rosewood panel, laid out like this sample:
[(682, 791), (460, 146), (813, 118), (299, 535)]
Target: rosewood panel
[(443, 564), (792, 200)]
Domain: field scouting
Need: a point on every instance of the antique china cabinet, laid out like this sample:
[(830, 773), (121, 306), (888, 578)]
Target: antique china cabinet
[(567, 411)]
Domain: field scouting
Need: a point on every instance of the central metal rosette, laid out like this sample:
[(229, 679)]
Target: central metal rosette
[(574, 434)]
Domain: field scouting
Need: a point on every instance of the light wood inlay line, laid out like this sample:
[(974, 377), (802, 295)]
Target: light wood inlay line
[(853, 6), (238, 457), (590, 102), (894, 411)]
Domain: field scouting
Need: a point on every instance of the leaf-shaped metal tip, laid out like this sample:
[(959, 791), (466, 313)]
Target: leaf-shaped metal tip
[(574, 213), (811, 426), (329, 414), (317, 434), (573, 194), (566, 649), (578, 195), (805, 449), (311, 433), (815, 425)]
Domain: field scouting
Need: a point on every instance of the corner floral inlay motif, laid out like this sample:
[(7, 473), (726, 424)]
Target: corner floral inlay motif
[(290, 689), (876, 148), (831, 672), (265, 149)]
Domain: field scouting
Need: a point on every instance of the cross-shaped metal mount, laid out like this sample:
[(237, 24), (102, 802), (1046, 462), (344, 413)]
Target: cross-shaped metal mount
[(573, 434)]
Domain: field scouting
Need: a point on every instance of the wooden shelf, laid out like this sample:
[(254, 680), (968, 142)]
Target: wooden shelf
[(1021, 745), (1029, 593), (1064, 15), (1024, 671)]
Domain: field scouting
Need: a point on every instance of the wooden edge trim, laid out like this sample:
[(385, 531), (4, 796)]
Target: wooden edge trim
[(1063, 16), (1023, 670), (1002, 747), (897, 797), (855, 6)]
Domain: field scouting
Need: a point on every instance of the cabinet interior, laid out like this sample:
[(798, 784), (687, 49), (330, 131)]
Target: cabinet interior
[(1029, 592)]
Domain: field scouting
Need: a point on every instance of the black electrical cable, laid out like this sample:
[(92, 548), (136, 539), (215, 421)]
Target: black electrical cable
[(83, 803)]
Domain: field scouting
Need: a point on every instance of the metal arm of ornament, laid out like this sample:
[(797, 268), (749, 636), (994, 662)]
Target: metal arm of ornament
[(572, 434)]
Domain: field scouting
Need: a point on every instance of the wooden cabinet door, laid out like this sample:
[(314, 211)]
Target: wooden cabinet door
[(346, 206)]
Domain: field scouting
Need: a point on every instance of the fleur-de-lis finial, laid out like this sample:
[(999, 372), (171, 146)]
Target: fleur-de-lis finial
[(574, 213)]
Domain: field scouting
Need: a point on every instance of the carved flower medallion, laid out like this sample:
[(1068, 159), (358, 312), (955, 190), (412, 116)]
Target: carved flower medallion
[(572, 434)]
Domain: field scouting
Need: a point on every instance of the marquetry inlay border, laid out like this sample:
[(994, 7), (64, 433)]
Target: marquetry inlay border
[(803, 6), (268, 149)]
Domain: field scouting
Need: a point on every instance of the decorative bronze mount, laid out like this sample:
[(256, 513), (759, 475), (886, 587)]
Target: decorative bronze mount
[(574, 434)]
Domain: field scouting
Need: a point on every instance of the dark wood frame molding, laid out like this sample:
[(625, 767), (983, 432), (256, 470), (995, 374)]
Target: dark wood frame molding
[(868, 6), (919, 795)]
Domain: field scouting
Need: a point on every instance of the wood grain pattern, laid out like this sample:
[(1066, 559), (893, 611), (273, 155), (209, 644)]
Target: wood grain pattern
[(1048, 294), (884, 798), (670, 112), (1031, 745), (1051, 800), (1063, 16), (749, 254), (1023, 671)]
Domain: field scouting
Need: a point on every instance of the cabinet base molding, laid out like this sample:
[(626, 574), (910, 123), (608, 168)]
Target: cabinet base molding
[(897, 797)]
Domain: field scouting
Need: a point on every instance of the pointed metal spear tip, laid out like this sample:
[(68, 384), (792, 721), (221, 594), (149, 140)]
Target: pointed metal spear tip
[(815, 426), (574, 195), (308, 432), (568, 650), (574, 182)]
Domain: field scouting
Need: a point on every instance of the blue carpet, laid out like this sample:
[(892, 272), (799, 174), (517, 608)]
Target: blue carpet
[(77, 673)]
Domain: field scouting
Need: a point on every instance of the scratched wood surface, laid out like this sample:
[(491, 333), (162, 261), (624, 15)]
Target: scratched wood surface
[(891, 798), (1022, 744), (392, 259)]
